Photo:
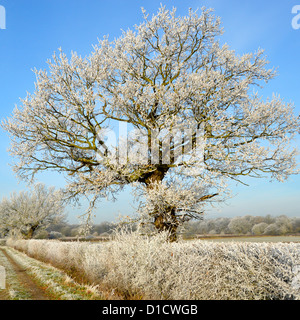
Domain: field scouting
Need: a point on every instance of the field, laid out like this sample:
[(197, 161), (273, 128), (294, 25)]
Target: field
[(259, 239), (138, 267)]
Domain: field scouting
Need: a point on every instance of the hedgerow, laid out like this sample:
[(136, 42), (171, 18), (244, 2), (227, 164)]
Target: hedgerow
[(152, 268)]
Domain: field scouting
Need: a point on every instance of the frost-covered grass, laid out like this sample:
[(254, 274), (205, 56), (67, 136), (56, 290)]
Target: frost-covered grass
[(15, 289), (56, 283), (150, 268)]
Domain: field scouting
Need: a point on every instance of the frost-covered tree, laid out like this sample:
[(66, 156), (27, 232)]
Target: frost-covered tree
[(284, 224), (296, 224), (195, 119), (272, 229), (239, 225), (259, 228), (25, 213)]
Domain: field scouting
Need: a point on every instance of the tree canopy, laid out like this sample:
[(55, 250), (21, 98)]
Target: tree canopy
[(190, 103)]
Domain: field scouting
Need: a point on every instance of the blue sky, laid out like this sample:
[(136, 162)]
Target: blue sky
[(35, 29)]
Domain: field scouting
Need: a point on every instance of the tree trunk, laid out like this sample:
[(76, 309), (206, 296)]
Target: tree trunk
[(163, 221), (30, 233), (169, 224)]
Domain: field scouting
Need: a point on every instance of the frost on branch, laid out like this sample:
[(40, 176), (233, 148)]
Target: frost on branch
[(165, 78)]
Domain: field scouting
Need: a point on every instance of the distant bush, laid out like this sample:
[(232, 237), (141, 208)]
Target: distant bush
[(43, 234), (239, 225), (151, 268), (55, 235), (259, 228)]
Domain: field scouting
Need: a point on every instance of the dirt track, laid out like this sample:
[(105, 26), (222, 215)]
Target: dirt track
[(29, 285)]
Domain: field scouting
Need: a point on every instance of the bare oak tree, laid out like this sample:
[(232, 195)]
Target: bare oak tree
[(189, 101), (23, 214)]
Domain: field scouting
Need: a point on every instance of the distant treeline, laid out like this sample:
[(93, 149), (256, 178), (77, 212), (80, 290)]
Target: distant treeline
[(103, 229), (247, 225)]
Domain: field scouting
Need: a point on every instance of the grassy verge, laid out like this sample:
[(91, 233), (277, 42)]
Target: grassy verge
[(14, 289), (56, 284)]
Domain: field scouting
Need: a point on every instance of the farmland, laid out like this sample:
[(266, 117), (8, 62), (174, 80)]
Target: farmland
[(259, 239)]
